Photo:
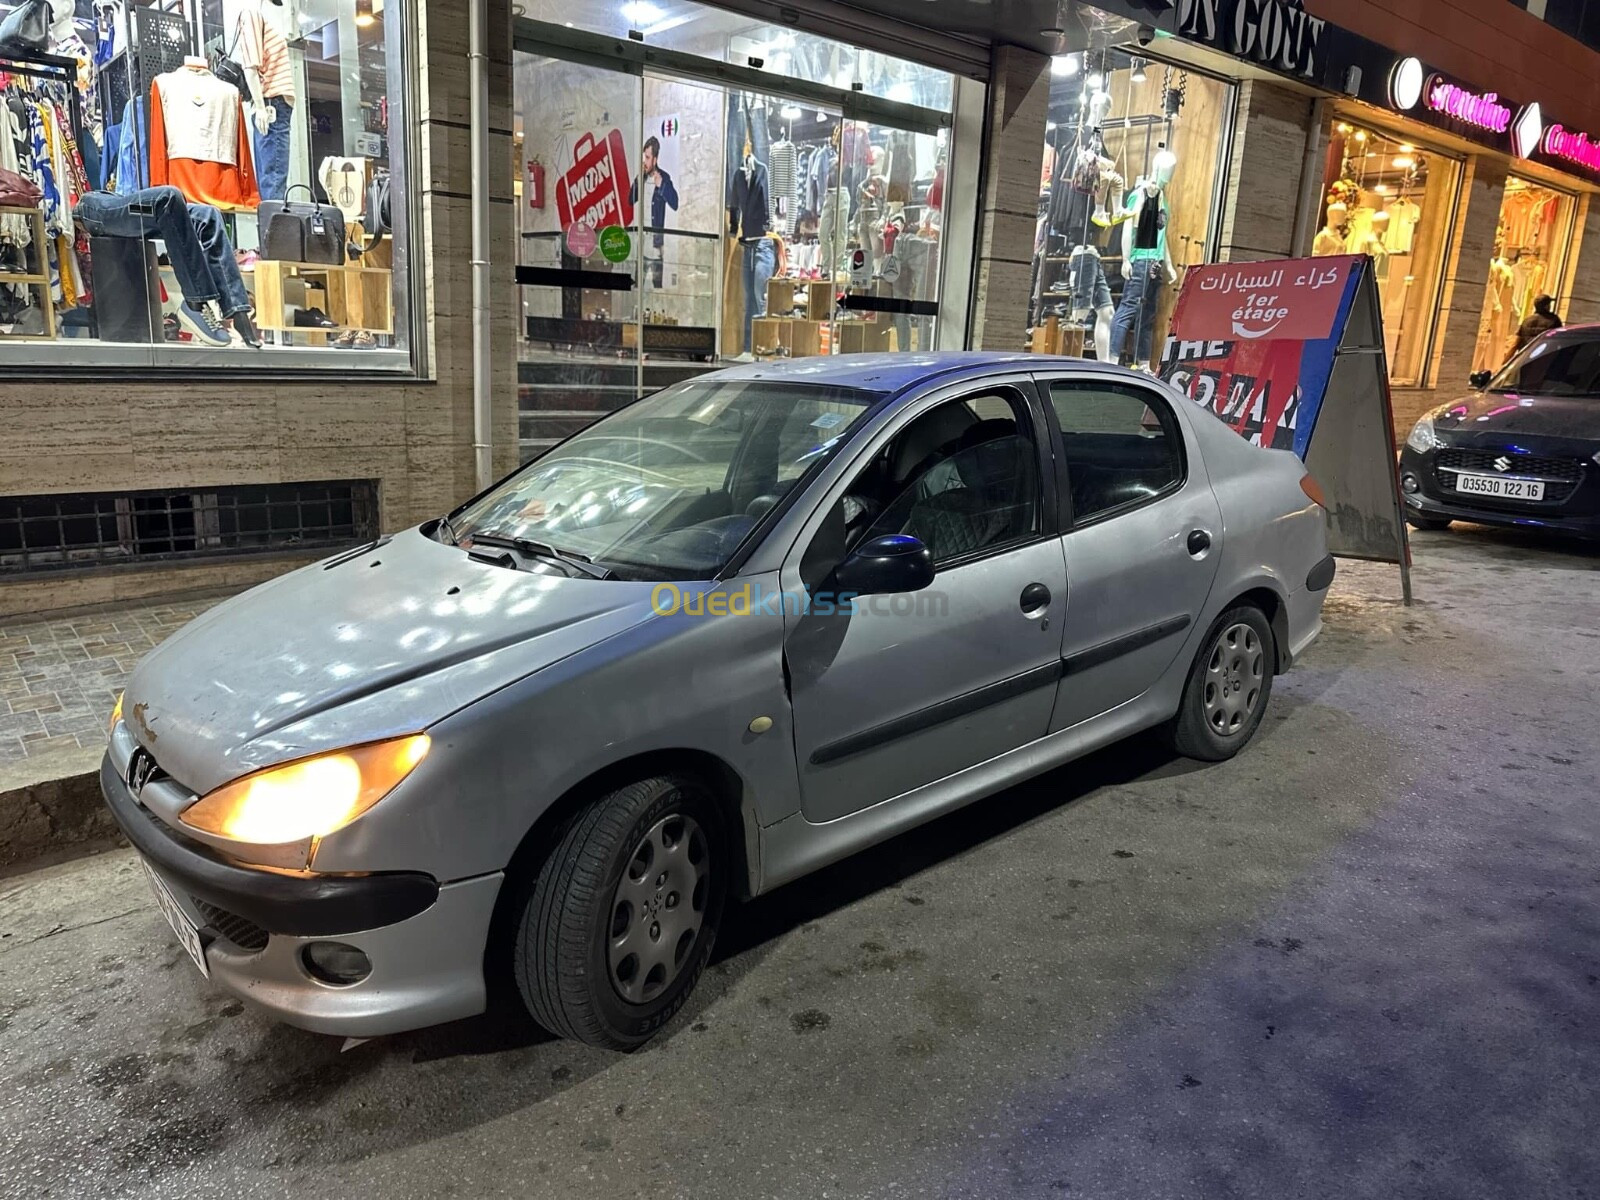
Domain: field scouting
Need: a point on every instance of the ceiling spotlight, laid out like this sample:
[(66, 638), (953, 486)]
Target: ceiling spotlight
[(640, 12), (1404, 160), (789, 112), (364, 17), (1064, 64), (1096, 81), (1137, 75)]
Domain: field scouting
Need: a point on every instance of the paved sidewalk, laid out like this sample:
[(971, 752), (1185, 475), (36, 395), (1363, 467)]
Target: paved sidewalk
[(59, 677)]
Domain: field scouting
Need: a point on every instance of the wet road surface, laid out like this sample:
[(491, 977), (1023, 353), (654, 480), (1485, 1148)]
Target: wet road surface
[(1363, 959)]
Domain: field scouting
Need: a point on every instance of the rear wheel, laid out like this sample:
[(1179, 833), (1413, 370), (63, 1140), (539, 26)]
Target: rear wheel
[(1228, 688), (1430, 523), (619, 923)]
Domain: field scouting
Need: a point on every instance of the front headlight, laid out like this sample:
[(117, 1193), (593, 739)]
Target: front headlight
[(1422, 437), (309, 798), (116, 713)]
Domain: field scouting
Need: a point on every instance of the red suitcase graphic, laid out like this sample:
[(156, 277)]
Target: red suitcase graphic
[(594, 191)]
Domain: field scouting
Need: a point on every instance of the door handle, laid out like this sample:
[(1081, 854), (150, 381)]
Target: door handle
[(1199, 542), (1034, 597)]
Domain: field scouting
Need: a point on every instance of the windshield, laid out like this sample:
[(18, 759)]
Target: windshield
[(669, 487), (1554, 366)]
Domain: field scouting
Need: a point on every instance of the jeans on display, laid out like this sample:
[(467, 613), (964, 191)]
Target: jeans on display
[(196, 240), (760, 260), (1141, 297), (1090, 289), (272, 150)]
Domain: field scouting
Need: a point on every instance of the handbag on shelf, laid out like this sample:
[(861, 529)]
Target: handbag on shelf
[(301, 231), (17, 192), (27, 27)]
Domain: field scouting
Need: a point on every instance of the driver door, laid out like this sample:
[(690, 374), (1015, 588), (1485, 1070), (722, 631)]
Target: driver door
[(903, 690)]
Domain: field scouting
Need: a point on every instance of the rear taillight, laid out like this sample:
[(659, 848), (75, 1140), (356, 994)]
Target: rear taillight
[(1313, 489)]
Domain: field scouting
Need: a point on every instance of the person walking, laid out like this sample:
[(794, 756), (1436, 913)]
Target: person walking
[(1541, 320)]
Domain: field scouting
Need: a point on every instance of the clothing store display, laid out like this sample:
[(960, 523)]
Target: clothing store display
[(749, 206), (902, 166), (1494, 327), (783, 173), (201, 327), (18, 192), (272, 150), (194, 236), (759, 261), (196, 140), (1136, 313), (344, 183), (127, 149), (41, 147), (262, 48), (313, 318), (1149, 215), (1403, 217), (1091, 290)]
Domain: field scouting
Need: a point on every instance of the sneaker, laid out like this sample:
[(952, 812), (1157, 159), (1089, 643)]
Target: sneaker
[(201, 327), (363, 341), (313, 318)]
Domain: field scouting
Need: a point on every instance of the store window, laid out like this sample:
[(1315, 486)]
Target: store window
[(713, 210), (1530, 249), (1127, 199), (1396, 201), (203, 181)]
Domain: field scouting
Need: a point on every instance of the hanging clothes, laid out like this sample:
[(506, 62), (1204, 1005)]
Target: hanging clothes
[(197, 140), (783, 174), (127, 150)]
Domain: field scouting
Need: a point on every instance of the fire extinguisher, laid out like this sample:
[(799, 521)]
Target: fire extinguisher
[(535, 183)]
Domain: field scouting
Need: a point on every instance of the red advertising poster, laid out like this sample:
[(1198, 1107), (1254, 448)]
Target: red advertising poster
[(594, 190), (1295, 299)]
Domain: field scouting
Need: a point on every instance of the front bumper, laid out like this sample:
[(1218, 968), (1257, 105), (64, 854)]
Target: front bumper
[(425, 941), (1578, 515)]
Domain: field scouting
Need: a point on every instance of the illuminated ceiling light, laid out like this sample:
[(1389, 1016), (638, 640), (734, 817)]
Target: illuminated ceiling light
[(789, 112), (1407, 148), (1096, 81), (640, 12), (1361, 136), (1064, 64), (1137, 75), (1404, 160), (902, 92), (1382, 189), (364, 17), (1343, 128)]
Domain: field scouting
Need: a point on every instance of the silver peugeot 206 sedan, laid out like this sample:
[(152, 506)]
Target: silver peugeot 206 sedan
[(727, 635)]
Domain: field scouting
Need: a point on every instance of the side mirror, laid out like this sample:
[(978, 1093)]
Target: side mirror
[(1480, 380), (884, 566)]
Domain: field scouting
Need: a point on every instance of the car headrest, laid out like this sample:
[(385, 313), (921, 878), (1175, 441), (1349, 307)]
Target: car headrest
[(928, 436)]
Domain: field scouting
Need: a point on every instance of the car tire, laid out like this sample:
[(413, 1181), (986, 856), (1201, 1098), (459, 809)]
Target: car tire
[(1228, 687), (1432, 524), (657, 849)]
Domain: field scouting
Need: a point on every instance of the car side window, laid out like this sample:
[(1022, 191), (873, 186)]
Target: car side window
[(963, 478), (1121, 445)]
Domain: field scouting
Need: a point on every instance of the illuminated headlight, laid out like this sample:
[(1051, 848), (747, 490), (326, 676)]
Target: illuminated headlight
[(1422, 437), (116, 713), (309, 798)]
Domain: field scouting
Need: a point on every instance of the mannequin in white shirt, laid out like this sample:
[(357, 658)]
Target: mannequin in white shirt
[(262, 114)]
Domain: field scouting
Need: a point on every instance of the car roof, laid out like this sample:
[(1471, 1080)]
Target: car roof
[(888, 372)]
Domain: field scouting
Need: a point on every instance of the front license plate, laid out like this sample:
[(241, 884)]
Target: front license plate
[(188, 935), (1495, 485)]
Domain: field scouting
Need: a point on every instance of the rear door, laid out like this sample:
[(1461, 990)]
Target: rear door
[(1144, 535)]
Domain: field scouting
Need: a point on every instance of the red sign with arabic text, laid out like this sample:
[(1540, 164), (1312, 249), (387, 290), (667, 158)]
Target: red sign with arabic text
[(1295, 299)]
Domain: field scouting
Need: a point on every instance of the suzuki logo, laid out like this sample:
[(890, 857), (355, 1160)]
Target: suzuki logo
[(140, 769), (1502, 463)]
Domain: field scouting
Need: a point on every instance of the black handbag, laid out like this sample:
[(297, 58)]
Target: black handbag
[(294, 231), (226, 68), (27, 27)]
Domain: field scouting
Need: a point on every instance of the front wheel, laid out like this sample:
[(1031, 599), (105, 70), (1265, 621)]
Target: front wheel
[(1228, 687), (620, 921)]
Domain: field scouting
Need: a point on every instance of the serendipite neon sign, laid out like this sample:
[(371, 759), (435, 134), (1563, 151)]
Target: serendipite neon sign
[(1574, 147), (1484, 111)]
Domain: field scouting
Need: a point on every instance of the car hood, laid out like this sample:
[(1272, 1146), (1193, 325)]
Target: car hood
[(376, 644), (1524, 413)]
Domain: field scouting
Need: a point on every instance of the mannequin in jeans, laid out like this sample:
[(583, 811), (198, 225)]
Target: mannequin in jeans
[(263, 53), (1146, 261), (198, 247)]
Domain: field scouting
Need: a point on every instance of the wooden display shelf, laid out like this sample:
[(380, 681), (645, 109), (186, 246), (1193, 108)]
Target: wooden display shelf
[(355, 297), (814, 296), (40, 281), (799, 339), (865, 337)]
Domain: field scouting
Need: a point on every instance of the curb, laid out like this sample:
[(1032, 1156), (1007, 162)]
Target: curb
[(51, 803)]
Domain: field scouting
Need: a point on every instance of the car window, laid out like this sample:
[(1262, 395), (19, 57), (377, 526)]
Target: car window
[(1554, 366), (963, 478), (670, 487), (1121, 445)]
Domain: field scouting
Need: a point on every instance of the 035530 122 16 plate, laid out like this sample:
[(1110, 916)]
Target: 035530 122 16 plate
[(1496, 485), (188, 935)]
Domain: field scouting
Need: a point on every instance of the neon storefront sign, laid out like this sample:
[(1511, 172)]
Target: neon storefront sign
[(1561, 142), (1483, 110)]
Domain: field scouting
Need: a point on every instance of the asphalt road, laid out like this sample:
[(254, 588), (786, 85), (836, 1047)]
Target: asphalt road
[(1363, 959)]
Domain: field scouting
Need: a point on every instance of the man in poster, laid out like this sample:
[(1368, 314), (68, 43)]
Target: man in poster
[(661, 196)]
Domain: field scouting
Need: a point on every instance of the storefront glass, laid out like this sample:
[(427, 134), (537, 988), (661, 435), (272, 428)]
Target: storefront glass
[(1530, 251), (204, 181), (1395, 200), (669, 222), (1127, 198)]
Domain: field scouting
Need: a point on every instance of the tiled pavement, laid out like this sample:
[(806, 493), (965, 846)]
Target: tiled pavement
[(59, 677)]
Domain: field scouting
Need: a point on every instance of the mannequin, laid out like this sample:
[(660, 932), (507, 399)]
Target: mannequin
[(264, 54), (749, 218), (1494, 329), (1331, 238), (197, 138), (1146, 260), (1087, 221)]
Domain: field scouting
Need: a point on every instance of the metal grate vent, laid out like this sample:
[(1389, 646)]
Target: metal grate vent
[(45, 533)]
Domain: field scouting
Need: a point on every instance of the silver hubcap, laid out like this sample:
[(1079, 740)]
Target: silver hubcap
[(658, 908), (1234, 676)]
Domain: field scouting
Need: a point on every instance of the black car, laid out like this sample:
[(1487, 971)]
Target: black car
[(1523, 451)]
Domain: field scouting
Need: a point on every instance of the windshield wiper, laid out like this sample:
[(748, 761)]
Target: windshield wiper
[(444, 524), (571, 559)]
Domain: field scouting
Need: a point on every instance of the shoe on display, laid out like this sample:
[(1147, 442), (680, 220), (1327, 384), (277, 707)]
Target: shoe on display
[(200, 326), (246, 329), (363, 341), (344, 341), (313, 318)]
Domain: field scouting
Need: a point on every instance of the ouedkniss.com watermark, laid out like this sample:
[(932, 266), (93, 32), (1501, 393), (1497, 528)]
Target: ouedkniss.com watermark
[(668, 599)]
